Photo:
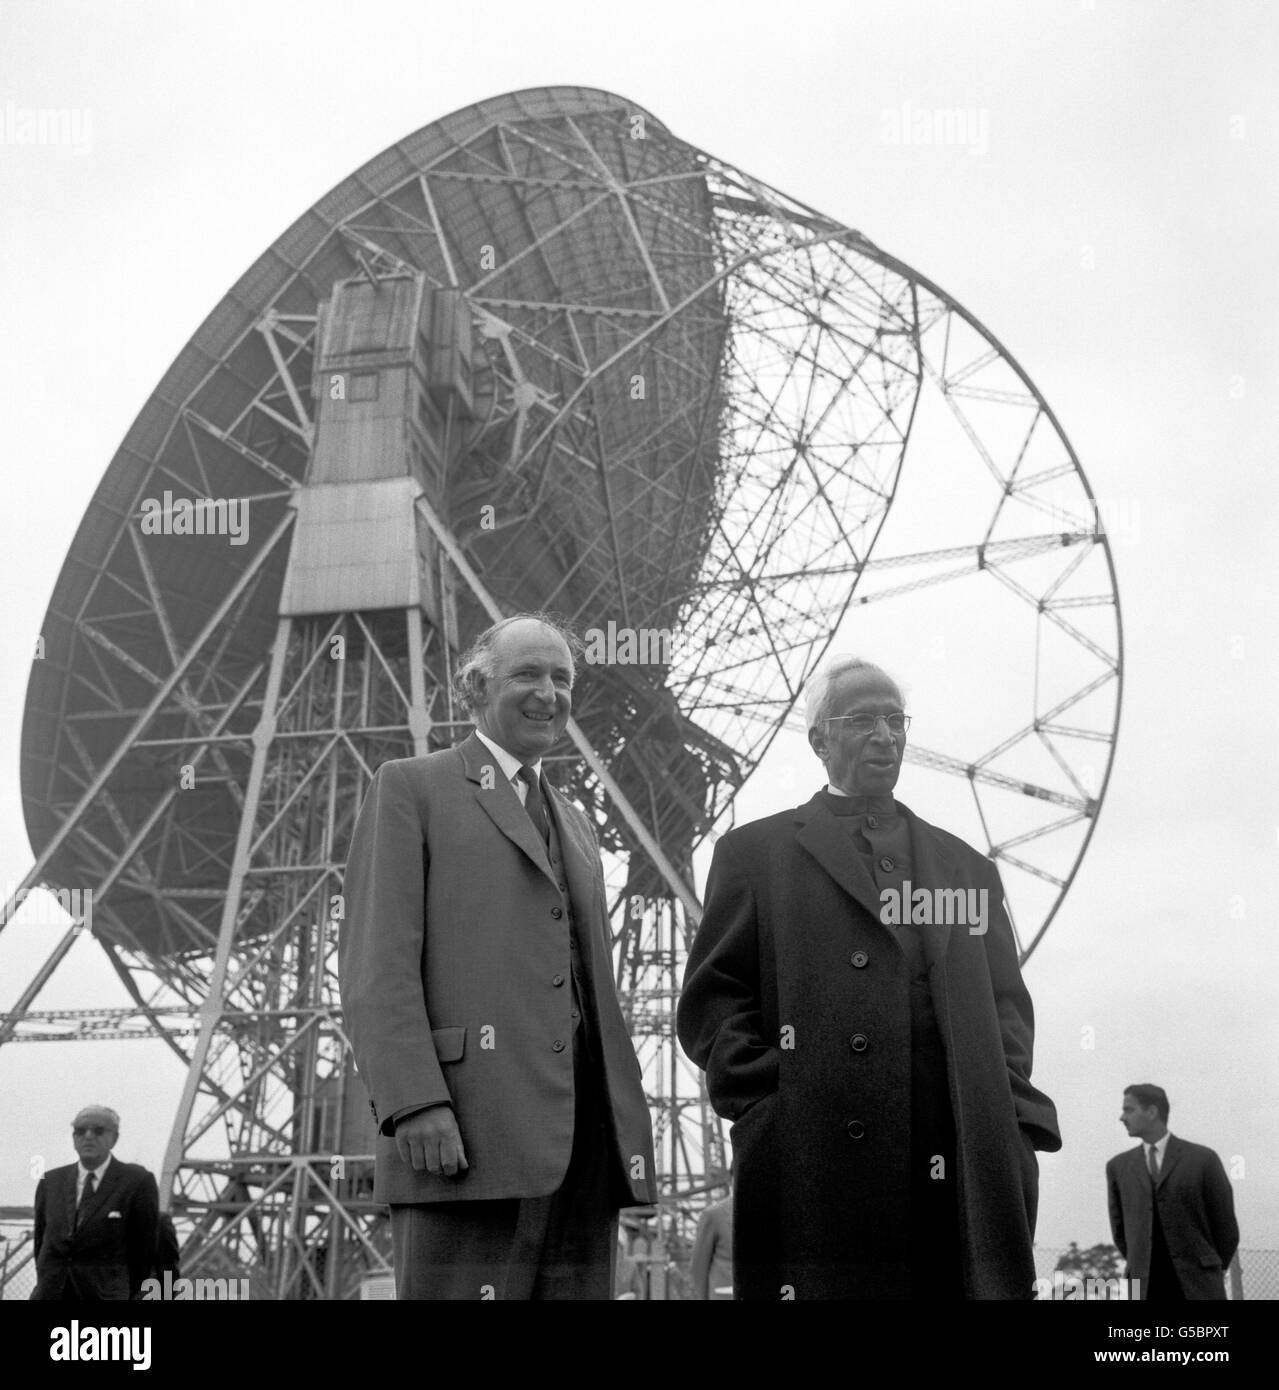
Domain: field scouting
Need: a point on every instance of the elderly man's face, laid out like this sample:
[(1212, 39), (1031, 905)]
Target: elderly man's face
[(861, 764), (527, 701), (94, 1134)]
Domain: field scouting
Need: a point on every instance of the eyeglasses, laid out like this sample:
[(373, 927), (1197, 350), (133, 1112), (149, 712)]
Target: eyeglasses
[(897, 724), (81, 1130)]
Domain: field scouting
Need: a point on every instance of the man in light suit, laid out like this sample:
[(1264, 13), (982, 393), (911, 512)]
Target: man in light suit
[(95, 1220), (477, 989), (874, 1055), (1172, 1209)]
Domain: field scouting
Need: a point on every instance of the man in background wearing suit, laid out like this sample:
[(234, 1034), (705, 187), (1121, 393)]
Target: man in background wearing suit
[(95, 1220), (477, 988), (1172, 1210)]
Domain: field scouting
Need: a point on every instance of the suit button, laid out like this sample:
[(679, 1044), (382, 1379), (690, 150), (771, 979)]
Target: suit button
[(920, 979), (872, 822), (557, 912), (858, 1042), (858, 960), (558, 1045), (855, 1129), (557, 980), (885, 863), (575, 1015)]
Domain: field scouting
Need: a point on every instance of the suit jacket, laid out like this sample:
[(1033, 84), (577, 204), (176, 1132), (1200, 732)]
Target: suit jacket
[(797, 1003), (455, 966), (1196, 1210), (111, 1251)]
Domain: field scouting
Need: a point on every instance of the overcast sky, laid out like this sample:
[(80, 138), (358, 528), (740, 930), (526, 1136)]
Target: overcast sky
[(1113, 221)]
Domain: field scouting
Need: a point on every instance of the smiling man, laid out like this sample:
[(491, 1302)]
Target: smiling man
[(876, 1063), (95, 1219), (477, 988)]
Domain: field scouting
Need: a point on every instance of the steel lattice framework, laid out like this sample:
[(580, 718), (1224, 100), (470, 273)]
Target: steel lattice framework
[(638, 386)]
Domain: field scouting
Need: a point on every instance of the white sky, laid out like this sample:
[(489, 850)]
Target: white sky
[(1117, 232)]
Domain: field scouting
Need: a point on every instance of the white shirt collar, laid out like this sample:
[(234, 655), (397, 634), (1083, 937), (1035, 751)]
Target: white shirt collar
[(82, 1175), (508, 762), (1160, 1147)]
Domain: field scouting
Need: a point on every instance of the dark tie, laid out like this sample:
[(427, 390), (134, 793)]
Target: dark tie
[(535, 805), (1152, 1163), (86, 1196)]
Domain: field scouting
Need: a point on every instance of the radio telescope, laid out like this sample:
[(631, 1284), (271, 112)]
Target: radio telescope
[(540, 354)]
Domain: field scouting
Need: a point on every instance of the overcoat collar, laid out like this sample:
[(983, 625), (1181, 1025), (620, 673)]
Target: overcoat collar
[(822, 836)]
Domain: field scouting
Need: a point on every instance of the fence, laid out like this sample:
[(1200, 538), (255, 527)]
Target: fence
[(1253, 1274)]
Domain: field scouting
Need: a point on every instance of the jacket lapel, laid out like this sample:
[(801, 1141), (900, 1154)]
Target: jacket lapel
[(106, 1184), (1172, 1152), (501, 802), (821, 836), (933, 866), (69, 1176)]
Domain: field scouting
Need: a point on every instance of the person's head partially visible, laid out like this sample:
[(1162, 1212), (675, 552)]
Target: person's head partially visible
[(857, 726), (1144, 1113), (94, 1132), (516, 681)]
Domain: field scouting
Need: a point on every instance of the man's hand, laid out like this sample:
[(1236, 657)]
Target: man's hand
[(430, 1139)]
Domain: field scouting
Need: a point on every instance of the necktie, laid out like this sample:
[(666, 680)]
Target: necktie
[(535, 805), (1152, 1163), (86, 1196)]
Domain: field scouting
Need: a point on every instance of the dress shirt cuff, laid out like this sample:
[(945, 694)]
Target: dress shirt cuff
[(407, 1110)]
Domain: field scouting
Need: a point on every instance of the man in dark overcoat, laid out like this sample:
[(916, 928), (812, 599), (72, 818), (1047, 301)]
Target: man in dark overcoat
[(1172, 1209), (854, 995)]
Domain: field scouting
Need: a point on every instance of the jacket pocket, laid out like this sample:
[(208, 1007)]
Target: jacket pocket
[(450, 1043), (752, 1112)]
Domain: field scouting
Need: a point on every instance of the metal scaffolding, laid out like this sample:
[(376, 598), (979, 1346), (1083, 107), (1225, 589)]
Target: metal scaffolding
[(542, 354)]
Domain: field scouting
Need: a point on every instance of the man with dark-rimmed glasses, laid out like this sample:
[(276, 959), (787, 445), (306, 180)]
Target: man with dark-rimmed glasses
[(96, 1220), (854, 995)]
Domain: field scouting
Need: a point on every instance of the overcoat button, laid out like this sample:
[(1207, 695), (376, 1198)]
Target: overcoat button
[(558, 1045), (557, 912), (557, 980), (855, 1129), (858, 1042), (872, 822), (858, 960), (885, 863)]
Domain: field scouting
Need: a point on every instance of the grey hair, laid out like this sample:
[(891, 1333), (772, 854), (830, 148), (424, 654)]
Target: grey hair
[(818, 691), (100, 1110), (477, 663)]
